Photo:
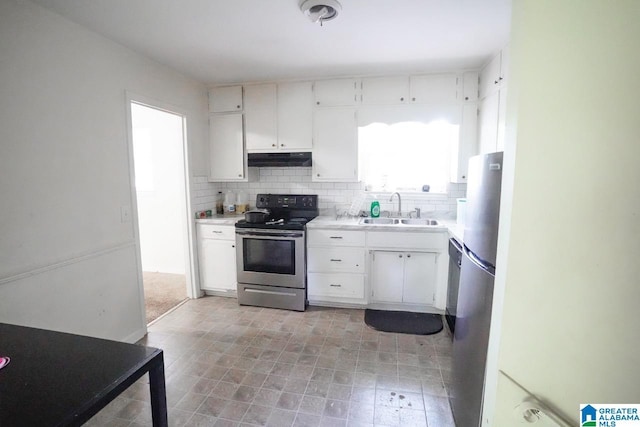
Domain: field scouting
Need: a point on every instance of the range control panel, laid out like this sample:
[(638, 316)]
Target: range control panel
[(291, 201)]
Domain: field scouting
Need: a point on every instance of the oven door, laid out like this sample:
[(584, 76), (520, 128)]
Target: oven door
[(271, 257)]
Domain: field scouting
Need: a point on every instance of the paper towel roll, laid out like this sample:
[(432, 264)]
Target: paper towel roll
[(462, 211)]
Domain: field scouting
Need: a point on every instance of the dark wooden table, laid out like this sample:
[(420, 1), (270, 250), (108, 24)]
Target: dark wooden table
[(59, 379)]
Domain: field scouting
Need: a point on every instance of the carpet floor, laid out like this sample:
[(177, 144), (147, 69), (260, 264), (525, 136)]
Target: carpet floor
[(162, 292)]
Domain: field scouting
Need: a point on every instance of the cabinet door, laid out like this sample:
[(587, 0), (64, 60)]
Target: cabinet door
[(420, 270), (295, 116), (332, 93), (436, 88), (226, 148), (470, 87), (488, 123), (504, 66), (385, 90), (387, 272), (335, 145), (225, 99), (218, 265), (490, 77), (467, 143), (502, 111), (260, 117)]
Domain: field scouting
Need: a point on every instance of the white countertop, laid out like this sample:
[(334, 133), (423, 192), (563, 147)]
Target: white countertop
[(220, 219), (347, 223)]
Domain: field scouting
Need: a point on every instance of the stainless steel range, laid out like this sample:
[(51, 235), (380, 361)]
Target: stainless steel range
[(271, 256)]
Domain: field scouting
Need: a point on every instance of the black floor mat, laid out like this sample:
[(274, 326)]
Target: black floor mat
[(403, 322)]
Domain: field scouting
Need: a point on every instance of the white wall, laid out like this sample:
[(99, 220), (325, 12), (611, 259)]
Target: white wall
[(158, 142), (67, 261), (568, 268)]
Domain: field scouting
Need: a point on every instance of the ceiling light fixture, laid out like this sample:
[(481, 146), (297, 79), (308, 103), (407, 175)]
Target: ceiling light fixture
[(320, 10)]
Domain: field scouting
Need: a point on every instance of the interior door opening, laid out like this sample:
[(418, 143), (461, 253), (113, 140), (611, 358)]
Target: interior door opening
[(158, 142)]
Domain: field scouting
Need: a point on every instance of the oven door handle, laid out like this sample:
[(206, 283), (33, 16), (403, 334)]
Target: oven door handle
[(279, 235)]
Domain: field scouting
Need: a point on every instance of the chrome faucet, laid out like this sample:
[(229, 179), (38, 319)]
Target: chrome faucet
[(399, 202), (417, 212)]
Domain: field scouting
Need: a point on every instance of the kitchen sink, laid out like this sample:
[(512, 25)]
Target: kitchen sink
[(399, 221), (382, 221), (419, 221)]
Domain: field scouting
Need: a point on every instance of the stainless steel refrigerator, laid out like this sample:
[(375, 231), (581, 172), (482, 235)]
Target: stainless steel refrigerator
[(475, 294)]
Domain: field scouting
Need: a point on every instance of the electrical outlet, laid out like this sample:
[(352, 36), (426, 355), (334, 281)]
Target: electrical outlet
[(125, 213)]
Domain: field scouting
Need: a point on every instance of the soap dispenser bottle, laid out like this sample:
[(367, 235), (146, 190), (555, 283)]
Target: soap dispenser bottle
[(375, 207)]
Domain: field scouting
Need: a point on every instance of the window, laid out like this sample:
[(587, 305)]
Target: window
[(405, 156)]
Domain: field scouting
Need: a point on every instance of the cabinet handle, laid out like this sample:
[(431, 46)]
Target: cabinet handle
[(495, 82), (335, 237), (239, 175), (281, 145), (402, 99), (317, 102), (317, 174), (335, 286), (408, 256), (399, 256), (335, 260), (273, 145), (233, 246), (217, 232), (238, 107), (413, 99)]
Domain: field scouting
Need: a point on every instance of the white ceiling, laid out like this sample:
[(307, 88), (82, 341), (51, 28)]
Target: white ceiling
[(228, 41)]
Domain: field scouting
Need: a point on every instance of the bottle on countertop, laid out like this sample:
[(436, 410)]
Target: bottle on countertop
[(220, 203), (242, 203), (230, 202), (375, 207)]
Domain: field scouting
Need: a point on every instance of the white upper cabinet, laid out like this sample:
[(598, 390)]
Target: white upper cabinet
[(502, 113), (225, 99), (295, 116), (467, 143), (493, 104), (433, 89), (227, 158), (488, 123), (335, 145), (334, 93), (385, 90), (494, 75), (260, 117), (470, 87)]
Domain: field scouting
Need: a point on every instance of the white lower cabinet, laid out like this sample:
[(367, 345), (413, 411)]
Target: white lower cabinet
[(403, 277), (390, 270), (217, 259), (336, 267), (340, 287)]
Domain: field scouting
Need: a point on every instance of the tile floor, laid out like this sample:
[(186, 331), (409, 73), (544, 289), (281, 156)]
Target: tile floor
[(228, 365)]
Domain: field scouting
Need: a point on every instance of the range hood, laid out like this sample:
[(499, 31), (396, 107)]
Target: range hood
[(279, 159)]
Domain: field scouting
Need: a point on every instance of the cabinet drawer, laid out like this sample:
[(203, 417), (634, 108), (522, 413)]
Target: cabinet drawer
[(220, 232), (381, 239), (337, 285), (336, 260), (336, 238)]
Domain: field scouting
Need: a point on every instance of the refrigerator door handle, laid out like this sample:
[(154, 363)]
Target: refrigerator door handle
[(480, 263)]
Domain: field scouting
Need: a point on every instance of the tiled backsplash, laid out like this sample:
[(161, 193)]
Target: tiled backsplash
[(297, 180)]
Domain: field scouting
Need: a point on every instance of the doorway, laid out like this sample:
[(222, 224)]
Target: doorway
[(158, 145)]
